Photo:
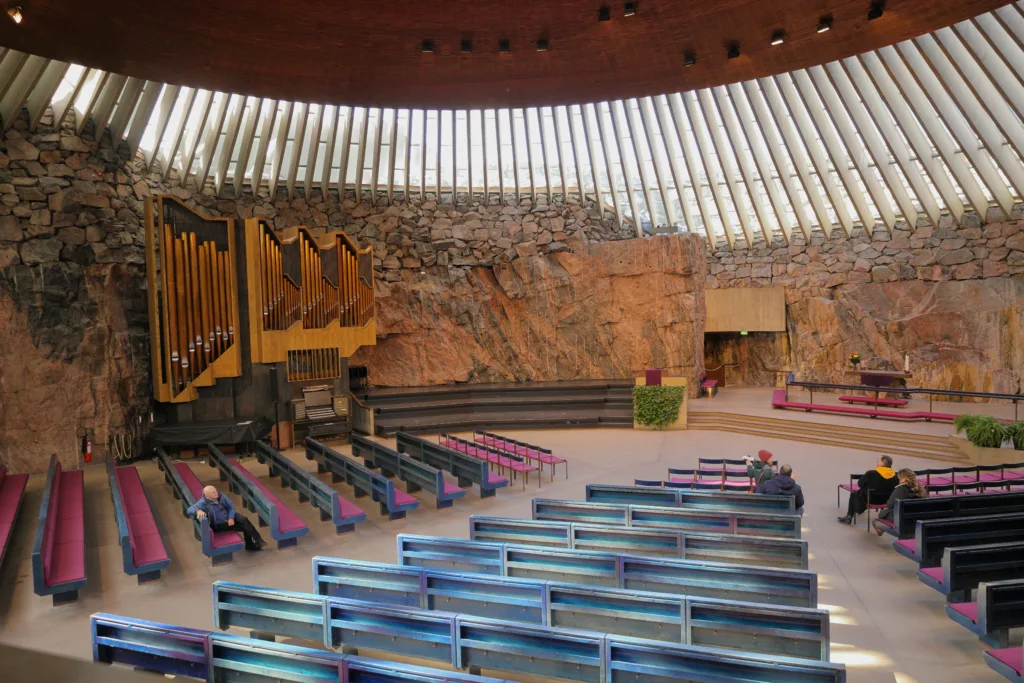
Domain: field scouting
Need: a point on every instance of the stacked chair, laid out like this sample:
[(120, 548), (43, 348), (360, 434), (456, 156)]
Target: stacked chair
[(621, 592)]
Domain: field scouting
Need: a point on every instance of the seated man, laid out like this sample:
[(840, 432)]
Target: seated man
[(223, 517), (783, 484), (760, 470), (880, 481)]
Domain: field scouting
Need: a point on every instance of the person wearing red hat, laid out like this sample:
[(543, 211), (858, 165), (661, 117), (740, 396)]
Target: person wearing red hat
[(760, 470)]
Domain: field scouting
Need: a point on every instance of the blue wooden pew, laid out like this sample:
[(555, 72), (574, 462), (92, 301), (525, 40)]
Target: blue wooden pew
[(285, 526), (768, 629), (172, 650), (416, 475), (999, 608), (232, 658), (268, 612), (365, 482), (722, 501), (467, 469), (663, 517), (342, 513), (736, 549), (629, 660), (797, 588), (219, 546)]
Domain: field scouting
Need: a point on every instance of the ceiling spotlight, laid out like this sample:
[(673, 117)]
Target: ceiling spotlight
[(604, 14), (504, 45), (689, 59), (467, 46), (428, 46), (15, 14), (778, 38), (876, 11), (629, 9), (825, 23), (542, 44), (733, 51)]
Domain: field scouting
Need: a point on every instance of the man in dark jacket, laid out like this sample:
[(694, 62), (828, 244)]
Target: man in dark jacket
[(880, 481), (222, 515), (783, 484)]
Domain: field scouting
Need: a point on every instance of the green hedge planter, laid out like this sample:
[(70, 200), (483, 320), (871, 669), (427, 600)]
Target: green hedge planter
[(657, 406)]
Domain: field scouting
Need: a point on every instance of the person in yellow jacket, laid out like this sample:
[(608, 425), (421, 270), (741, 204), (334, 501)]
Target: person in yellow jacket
[(879, 482)]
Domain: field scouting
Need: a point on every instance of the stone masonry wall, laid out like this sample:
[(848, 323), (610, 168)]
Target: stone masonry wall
[(949, 296)]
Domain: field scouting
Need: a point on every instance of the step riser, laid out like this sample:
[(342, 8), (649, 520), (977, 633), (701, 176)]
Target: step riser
[(896, 441)]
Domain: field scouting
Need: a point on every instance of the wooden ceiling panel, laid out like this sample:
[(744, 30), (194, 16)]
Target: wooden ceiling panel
[(369, 53)]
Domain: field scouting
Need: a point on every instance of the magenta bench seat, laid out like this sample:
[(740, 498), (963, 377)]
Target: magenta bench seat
[(285, 526), (779, 401), (219, 546), (1007, 662), (58, 553), (142, 550), (12, 490), (871, 401)]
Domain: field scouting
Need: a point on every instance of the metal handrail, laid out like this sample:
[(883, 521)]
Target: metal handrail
[(906, 390)]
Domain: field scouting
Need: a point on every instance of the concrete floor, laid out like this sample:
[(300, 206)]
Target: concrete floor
[(886, 625)]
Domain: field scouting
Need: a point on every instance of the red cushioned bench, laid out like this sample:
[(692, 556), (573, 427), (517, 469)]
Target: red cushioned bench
[(219, 546), (1008, 663), (142, 550), (12, 489), (779, 401), (867, 400), (58, 553), (285, 525)]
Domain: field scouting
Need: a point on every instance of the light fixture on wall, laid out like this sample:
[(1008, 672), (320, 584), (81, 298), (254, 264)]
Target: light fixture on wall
[(732, 50), (542, 44), (689, 59), (427, 46), (779, 37), (604, 14), (629, 9), (15, 13), (825, 23), (504, 45), (876, 11)]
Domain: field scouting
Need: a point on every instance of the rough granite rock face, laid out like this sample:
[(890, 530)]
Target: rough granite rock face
[(608, 310)]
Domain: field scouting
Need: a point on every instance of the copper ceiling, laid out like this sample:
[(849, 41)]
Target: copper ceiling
[(369, 53)]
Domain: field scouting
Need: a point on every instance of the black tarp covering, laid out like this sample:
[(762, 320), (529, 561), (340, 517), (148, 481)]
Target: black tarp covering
[(213, 431)]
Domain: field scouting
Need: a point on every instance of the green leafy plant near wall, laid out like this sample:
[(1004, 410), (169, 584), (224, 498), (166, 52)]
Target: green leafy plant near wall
[(657, 406), (1015, 433), (985, 431)]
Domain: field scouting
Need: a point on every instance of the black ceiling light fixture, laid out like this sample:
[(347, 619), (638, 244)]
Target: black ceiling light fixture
[(466, 46), (629, 9), (542, 44), (732, 51), (504, 45), (427, 46), (689, 59), (825, 24), (779, 37), (876, 11), (605, 13)]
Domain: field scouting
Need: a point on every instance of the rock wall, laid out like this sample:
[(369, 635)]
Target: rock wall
[(949, 296), (603, 310)]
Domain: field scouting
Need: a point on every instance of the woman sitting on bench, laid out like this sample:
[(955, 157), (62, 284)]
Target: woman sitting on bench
[(909, 487)]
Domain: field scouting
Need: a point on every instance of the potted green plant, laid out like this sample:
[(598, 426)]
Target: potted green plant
[(984, 437), (1015, 433), (657, 406)]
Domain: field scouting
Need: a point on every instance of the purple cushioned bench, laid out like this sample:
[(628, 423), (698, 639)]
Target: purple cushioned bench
[(967, 609), (289, 527), (779, 401), (217, 545), (58, 554), (1008, 662), (142, 550), (868, 400), (12, 489), (932, 576), (907, 548)]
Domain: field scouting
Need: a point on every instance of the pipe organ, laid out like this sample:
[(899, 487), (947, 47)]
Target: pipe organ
[(193, 299), (302, 305)]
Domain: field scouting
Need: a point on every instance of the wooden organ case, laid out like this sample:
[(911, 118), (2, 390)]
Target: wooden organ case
[(276, 315), (193, 299)]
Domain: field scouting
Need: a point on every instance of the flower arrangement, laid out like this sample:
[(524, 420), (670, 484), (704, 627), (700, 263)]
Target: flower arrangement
[(854, 360)]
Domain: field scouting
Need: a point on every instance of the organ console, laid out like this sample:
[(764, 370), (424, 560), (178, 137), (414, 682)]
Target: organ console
[(193, 299)]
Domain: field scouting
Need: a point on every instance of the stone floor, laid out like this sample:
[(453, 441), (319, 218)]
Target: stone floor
[(886, 625)]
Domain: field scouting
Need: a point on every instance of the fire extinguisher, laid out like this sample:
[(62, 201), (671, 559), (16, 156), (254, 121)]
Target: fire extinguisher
[(87, 448)]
